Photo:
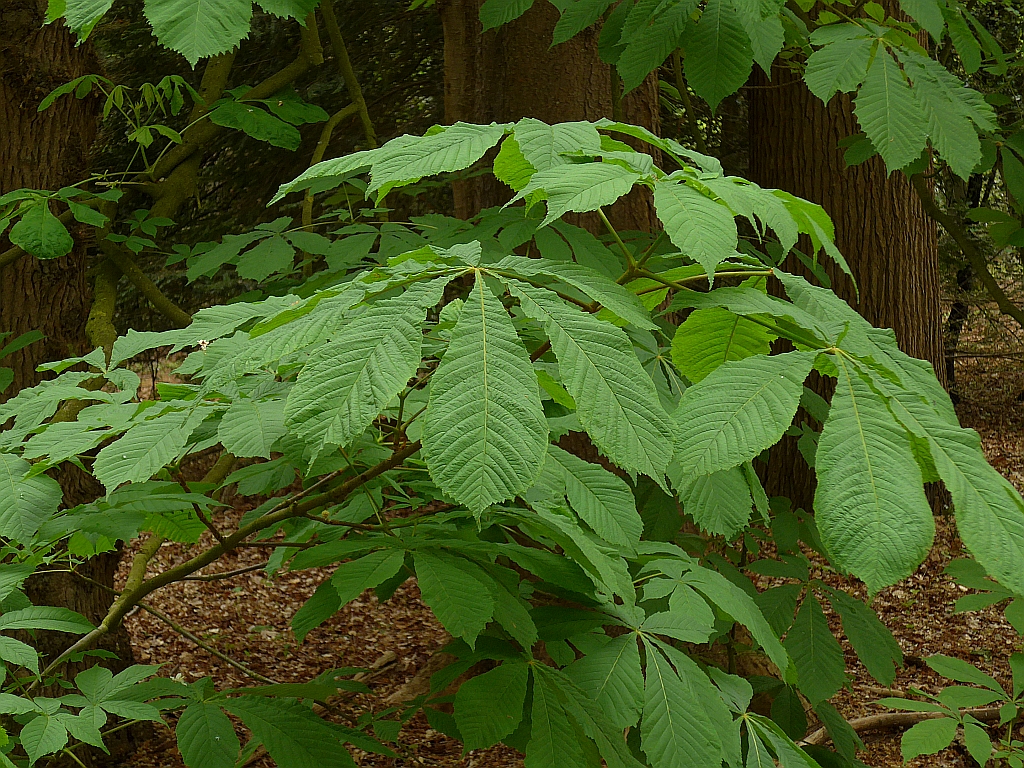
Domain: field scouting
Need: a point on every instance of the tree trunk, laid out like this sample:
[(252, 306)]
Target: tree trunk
[(48, 150), (881, 229), (42, 150), (512, 72)]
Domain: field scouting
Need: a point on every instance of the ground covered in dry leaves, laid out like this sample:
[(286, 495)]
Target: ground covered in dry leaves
[(247, 617)]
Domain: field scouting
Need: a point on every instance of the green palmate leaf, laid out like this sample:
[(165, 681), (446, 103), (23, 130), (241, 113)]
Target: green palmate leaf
[(739, 410), (456, 591), (269, 256), (62, 440), (873, 642), (712, 699), (604, 564), (616, 401), (604, 291), (710, 337), (289, 9), (321, 605), (250, 427), (718, 53), (676, 731), (258, 123), (353, 578), (408, 159), (43, 736), (330, 173), (767, 37), (888, 113), (179, 525), (788, 712), (222, 320), (719, 503), (978, 743), (927, 13), (962, 672), (928, 737), (611, 676), (544, 145), (511, 167), (25, 504), (579, 187), (292, 733), (199, 28), (510, 611), (873, 516), (700, 227), (778, 605), (651, 36), (949, 114), (40, 233), (788, 753), (554, 740), (840, 66), (576, 17), (601, 499), (206, 738), (145, 448), (818, 657), (989, 511), (484, 434), (590, 719), (347, 382), (46, 617), (738, 604), (758, 755), (81, 15), (843, 736), (689, 618), (17, 652), (494, 13), (489, 707), (86, 725)]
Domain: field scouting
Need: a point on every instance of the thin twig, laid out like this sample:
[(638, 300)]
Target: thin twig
[(204, 645), (227, 574), (184, 633), (684, 94), (140, 588)]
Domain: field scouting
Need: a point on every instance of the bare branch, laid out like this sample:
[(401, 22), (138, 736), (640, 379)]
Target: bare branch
[(125, 261), (969, 248)]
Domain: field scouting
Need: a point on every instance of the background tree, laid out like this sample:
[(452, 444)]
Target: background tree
[(43, 150), (504, 72), (890, 243), (47, 150)]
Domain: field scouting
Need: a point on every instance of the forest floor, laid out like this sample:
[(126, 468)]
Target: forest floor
[(248, 617)]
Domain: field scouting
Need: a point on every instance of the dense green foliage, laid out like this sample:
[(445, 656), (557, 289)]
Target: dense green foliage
[(413, 379)]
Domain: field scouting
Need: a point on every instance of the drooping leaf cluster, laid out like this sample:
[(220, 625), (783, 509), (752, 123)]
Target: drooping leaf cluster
[(417, 388)]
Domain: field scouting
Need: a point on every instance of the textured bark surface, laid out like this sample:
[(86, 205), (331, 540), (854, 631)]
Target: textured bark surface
[(881, 229), (512, 72), (42, 150), (47, 150)]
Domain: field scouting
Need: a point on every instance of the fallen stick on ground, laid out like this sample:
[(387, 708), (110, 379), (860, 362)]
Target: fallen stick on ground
[(891, 720)]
